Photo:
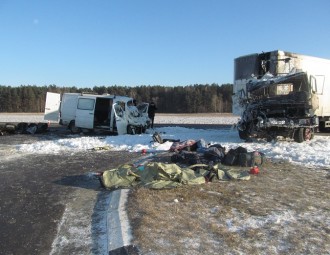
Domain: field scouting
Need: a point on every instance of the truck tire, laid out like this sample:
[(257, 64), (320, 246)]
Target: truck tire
[(303, 134), (308, 134), (244, 134), (299, 135)]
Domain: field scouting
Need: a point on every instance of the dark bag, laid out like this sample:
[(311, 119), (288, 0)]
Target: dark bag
[(42, 127), (232, 157), (192, 158), (214, 154), (185, 157), (251, 159), (21, 127), (219, 147), (240, 149), (177, 158)]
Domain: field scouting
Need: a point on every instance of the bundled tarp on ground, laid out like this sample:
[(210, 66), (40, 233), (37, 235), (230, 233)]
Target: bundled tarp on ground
[(156, 175)]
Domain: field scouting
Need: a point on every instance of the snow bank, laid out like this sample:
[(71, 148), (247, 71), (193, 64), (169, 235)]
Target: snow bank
[(313, 153)]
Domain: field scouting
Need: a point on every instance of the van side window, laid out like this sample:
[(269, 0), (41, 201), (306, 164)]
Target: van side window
[(86, 104)]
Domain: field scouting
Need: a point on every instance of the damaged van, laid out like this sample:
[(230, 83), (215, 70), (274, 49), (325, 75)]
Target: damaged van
[(283, 94), (88, 112)]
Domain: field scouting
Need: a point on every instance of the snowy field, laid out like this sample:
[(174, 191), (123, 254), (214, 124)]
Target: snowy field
[(315, 153)]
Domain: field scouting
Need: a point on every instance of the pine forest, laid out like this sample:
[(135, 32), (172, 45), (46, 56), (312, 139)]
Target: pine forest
[(196, 98)]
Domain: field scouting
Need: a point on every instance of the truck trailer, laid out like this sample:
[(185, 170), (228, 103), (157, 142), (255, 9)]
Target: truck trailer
[(280, 93), (88, 112)]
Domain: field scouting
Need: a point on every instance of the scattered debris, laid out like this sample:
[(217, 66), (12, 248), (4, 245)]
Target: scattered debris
[(101, 148), (158, 139), (254, 170), (23, 128), (202, 153), (188, 145)]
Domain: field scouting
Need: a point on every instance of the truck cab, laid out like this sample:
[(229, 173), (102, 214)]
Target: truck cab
[(281, 94)]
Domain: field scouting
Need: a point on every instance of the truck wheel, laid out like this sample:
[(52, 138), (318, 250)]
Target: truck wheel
[(308, 134), (299, 135), (303, 134), (244, 132)]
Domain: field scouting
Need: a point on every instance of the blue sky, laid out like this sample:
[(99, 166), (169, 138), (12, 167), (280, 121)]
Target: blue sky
[(150, 42)]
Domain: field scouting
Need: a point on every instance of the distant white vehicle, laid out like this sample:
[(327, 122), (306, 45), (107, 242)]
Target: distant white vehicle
[(280, 93), (117, 114)]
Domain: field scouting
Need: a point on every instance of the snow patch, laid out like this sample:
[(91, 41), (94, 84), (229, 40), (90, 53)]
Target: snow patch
[(314, 153)]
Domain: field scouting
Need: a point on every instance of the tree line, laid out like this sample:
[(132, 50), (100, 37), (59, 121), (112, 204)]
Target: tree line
[(198, 98)]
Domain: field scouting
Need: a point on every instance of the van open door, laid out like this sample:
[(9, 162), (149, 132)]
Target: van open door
[(121, 122), (85, 112), (52, 106)]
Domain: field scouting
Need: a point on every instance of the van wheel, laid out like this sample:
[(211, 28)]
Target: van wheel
[(131, 130), (73, 128)]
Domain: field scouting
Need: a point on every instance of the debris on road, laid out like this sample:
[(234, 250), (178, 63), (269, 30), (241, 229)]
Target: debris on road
[(23, 128)]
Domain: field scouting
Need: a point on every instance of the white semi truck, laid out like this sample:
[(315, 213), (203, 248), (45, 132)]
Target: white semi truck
[(280, 93), (80, 112)]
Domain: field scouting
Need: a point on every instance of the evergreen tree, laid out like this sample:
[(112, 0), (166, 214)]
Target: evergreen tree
[(197, 98)]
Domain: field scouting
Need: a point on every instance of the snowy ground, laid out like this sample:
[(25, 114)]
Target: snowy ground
[(315, 153)]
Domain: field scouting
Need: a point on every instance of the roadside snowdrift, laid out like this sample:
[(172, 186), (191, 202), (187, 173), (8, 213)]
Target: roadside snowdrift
[(314, 153)]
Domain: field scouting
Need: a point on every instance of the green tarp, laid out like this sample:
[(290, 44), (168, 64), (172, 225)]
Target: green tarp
[(157, 175)]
